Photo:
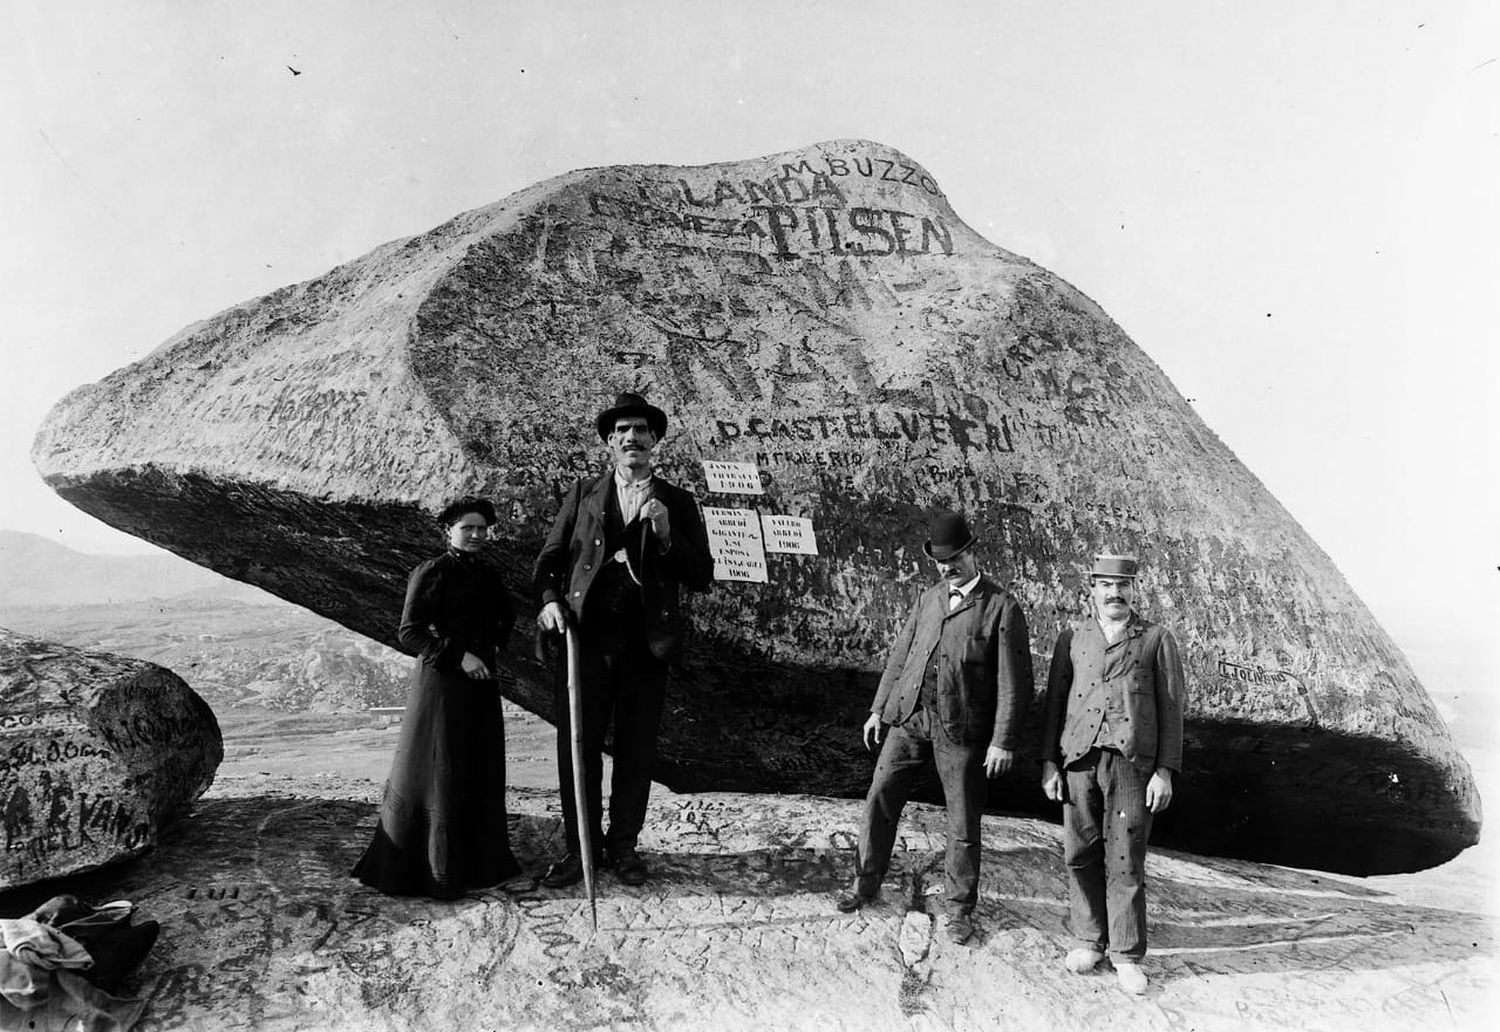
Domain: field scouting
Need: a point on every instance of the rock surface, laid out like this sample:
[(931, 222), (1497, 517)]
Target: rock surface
[(97, 754), (826, 316), (737, 931)]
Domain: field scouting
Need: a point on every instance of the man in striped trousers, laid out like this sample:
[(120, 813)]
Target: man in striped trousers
[(1111, 742)]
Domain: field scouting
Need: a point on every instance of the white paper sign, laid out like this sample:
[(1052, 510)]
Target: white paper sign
[(789, 534), (732, 477), (735, 543)]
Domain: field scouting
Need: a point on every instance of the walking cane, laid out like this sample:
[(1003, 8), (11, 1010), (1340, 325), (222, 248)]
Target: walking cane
[(580, 800)]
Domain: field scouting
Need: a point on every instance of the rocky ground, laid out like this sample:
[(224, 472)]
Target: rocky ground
[(263, 930)]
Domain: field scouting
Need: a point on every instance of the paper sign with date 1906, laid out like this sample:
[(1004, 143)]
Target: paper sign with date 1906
[(789, 534), (734, 541)]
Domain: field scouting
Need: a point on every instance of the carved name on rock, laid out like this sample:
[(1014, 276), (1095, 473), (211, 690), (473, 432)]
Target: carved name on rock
[(97, 753), (826, 316), (736, 932)]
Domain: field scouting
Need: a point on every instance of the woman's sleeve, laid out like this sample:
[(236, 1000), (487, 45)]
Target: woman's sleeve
[(419, 632)]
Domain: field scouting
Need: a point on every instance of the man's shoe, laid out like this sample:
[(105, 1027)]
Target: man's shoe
[(849, 902), (1132, 978), (567, 871), (629, 866), (1082, 960), (960, 928), (517, 884)]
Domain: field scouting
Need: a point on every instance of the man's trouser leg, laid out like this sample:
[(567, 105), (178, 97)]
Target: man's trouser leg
[(594, 678), (961, 769), (1127, 825), (1083, 853), (640, 686), (902, 757)]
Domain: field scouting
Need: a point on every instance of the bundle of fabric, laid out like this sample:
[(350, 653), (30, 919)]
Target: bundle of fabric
[(61, 964)]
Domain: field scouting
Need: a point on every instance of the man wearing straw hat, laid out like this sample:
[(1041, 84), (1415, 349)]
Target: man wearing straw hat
[(620, 550), (1111, 742), (955, 690)]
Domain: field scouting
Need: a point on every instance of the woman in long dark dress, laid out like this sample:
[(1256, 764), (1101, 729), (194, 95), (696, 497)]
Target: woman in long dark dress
[(442, 820)]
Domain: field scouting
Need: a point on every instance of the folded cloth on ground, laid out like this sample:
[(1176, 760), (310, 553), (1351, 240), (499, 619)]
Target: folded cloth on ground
[(68, 910), (105, 931), (22, 985), (60, 1000), (42, 946), (43, 979)]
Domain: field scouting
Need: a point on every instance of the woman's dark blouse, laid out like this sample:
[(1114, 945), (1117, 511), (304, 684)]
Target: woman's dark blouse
[(456, 603)]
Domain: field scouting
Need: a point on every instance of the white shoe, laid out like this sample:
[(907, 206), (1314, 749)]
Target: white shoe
[(1082, 960), (1132, 978)]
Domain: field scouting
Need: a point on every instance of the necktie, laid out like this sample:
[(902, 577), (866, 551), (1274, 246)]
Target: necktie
[(954, 598)]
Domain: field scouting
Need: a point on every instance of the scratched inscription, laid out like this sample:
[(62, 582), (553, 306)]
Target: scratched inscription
[(50, 821), (76, 793), (796, 229), (797, 209), (1256, 675), (870, 425)]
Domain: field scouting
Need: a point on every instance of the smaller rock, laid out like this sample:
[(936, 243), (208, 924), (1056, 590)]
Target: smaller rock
[(97, 753), (915, 938)]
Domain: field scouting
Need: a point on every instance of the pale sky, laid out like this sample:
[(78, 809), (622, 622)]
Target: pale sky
[(1290, 206)]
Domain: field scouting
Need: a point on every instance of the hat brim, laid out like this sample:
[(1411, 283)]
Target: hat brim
[(655, 418), (943, 553)]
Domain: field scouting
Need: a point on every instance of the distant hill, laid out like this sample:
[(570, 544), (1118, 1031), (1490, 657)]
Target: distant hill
[(235, 644), (38, 572)]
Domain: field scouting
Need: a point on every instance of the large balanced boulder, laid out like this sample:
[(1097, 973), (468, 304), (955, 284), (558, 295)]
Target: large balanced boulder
[(825, 316), (97, 753)]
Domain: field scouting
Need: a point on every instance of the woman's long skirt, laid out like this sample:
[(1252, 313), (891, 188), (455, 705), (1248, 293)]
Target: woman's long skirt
[(442, 819)]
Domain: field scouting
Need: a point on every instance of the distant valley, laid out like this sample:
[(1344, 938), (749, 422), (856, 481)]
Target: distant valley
[(235, 644)]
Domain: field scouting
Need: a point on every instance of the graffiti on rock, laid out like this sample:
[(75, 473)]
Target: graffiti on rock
[(873, 425), (1248, 674), (798, 230), (49, 816)]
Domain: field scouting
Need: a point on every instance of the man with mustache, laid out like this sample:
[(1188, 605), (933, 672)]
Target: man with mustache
[(1111, 741), (955, 690), (622, 547)]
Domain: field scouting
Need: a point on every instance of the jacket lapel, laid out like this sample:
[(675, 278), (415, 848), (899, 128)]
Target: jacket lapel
[(588, 526), (969, 600), (938, 606), (599, 494)]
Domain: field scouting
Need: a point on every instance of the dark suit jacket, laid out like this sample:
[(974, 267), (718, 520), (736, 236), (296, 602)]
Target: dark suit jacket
[(984, 685), (574, 552)]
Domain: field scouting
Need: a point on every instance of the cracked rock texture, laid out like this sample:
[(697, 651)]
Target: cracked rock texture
[(97, 753), (825, 315), (737, 930)]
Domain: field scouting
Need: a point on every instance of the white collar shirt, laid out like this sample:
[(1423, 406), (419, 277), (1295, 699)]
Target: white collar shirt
[(956, 595), (631, 495)]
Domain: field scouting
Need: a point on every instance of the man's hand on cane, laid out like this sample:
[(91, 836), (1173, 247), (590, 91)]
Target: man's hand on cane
[(551, 618)]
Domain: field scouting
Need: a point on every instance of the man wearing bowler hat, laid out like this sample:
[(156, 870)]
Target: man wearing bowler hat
[(955, 691), (622, 547), (1111, 741)]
